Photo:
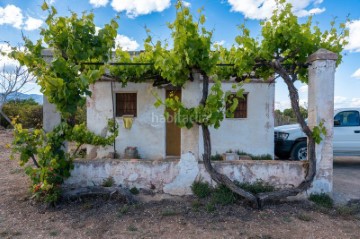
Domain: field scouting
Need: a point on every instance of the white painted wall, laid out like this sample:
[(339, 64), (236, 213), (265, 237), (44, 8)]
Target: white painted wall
[(255, 134), (175, 177), (148, 130)]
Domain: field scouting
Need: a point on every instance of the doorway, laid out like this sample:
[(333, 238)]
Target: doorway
[(173, 132)]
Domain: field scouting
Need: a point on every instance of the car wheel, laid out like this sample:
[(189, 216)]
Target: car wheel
[(299, 152)]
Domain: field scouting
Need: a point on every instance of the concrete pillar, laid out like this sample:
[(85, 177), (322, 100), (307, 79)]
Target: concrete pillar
[(51, 116), (321, 108), (191, 96)]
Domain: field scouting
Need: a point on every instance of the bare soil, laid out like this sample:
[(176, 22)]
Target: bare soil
[(20, 217)]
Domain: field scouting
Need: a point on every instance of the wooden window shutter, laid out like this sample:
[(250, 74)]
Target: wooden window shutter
[(126, 104), (241, 109)]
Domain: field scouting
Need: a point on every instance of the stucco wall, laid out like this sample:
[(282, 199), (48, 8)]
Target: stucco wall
[(176, 176), (254, 134), (148, 130)]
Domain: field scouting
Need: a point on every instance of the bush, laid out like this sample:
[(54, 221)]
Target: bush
[(261, 157), (258, 187), (28, 112), (201, 189), (321, 199), (223, 195), (216, 157), (108, 182), (134, 190)]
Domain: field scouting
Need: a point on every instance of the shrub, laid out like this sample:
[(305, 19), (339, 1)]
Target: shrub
[(240, 152), (201, 189), (210, 207), (134, 190), (28, 112), (258, 187), (261, 157), (216, 157), (108, 182), (223, 195), (254, 157), (321, 199)]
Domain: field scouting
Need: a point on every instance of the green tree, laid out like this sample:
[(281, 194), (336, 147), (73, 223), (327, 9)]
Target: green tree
[(283, 51), (28, 112), (65, 82)]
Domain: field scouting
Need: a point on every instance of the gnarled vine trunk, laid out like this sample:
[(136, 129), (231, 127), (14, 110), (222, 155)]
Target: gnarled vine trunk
[(258, 200), (216, 176)]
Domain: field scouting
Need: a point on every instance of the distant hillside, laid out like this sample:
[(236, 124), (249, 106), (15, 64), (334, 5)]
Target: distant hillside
[(21, 96)]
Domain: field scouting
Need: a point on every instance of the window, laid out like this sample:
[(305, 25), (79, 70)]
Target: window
[(241, 109), (347, 118), (126, 104)]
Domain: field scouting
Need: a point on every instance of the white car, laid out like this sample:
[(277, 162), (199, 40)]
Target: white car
[(290, 140)]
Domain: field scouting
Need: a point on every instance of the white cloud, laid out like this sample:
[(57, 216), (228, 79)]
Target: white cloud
[(286, 104), (356, 74), (303, 89), (134, 8), (5, 61), (32, 24), (261, 9), (186, 4), (343, 102), (314, 11), (99, 3), (220, 43), (354, 36), (126, 43), (11, 15)]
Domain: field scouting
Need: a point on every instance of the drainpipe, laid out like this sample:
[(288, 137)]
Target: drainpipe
[(113, 106)]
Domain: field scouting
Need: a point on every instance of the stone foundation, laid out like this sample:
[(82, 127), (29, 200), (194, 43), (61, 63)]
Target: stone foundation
[(175, 177)]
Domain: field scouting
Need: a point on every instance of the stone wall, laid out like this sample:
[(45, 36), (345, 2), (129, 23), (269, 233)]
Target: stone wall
[(175, 177)]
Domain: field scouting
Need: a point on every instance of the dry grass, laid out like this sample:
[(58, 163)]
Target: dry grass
[(100, 218)]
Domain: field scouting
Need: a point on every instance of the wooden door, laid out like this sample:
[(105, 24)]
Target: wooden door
[(173, 132)]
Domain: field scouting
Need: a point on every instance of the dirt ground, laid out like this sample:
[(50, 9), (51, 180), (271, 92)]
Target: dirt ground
[(20, 217)]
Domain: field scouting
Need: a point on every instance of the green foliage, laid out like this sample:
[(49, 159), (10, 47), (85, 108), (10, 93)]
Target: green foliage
[(46, 150), (191, 53), (322, 199), (254, 157), (210, 207), (304, 217), (134, 190), (259, 186), (201, 189), (287, 41), (65, 82), (28, 113), (318, 131), (123, 210), (261, 157), (223, 195), (216, 157), (348, 210), (108, 182)]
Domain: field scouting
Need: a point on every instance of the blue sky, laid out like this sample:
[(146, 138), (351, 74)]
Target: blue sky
[(20, 16)]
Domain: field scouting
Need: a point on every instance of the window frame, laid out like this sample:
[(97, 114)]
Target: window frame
[(117, 115), (246, 95), (348, 125)]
